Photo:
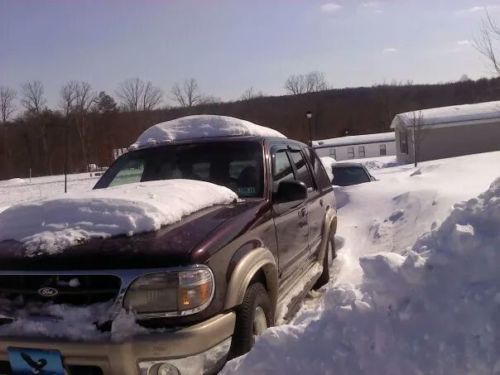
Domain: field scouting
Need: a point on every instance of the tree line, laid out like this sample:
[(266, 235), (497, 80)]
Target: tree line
[(87, 126)]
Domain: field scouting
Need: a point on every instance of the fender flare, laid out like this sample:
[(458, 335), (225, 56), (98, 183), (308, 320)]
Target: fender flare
[(260, 259)]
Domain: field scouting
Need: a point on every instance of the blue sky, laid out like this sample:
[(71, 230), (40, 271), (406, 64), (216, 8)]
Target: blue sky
[(232, 45)]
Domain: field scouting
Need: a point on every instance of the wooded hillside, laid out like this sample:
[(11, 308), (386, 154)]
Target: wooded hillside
[(38, 141)]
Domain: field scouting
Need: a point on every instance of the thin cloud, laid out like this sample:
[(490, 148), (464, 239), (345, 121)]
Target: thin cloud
[(371, 4), (330, 7), (374, 6), (477, 9), (389, 50), (459, 46)]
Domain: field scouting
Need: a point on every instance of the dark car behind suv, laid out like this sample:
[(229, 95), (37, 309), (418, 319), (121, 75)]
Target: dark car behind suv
[(219, 276)]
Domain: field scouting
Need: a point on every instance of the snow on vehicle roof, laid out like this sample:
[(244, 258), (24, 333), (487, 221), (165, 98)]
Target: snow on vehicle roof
[(450, 116), (201, 126), (355, 139), (51, 225)]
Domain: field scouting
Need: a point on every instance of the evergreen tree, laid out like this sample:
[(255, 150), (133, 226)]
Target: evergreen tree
[(105, 103)]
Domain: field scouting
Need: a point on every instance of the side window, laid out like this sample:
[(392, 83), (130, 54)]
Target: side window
[(383, 150), (322, 178), (131, 172), (361, 151), (282, 169), (303, 173), (350, 152)]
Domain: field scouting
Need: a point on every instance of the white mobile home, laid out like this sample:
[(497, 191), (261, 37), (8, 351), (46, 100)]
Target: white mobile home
[(444, 132), (357, 146)]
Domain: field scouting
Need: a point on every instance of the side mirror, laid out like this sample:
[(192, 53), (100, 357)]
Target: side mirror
[(291, 191)]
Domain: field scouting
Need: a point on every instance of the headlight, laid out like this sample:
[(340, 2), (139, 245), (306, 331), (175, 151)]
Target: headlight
[(171, 293)]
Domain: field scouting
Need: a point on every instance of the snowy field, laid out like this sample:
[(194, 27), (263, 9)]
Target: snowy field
[(19, 190), (416, 287)]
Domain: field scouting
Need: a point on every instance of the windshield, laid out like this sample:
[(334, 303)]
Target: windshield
[(236, 165), (344, 176)]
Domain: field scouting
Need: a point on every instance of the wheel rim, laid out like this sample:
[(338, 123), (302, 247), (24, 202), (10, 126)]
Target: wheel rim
[(259, 321)]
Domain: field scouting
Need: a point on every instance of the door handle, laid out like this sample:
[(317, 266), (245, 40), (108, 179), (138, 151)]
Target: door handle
[(321, 202), (303, 212)]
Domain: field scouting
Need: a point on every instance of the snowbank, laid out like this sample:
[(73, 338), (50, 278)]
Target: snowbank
[(199, 126), (15, 181), (434, 310), (51, 225)]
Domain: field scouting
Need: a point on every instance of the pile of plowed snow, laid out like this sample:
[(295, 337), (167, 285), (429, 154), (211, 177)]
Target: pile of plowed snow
[(49, 226), (435, 310)]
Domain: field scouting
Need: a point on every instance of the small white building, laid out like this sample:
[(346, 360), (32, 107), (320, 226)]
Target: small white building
[(444, 132), (357, 146)]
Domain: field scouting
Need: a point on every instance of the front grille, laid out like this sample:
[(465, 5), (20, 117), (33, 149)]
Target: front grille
[(59, 289), (72, 369)]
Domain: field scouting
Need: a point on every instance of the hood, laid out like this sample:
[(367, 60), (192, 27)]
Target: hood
[(53, 225), (172, 245)]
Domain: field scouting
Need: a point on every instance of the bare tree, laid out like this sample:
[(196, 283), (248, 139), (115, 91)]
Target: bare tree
[(315, 81), (33, 99), (485, 43), (7, 106), (151, 97), (188, 94), (137, 95), (295, 84), (68, 97), (251, 94), (85, 97), (305, 83)]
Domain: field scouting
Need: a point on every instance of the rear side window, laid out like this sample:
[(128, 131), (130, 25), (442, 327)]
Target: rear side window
[(303, 173), (282, 169), (319, 172)]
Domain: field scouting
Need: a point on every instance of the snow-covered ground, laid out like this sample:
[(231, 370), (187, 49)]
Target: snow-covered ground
[(19, 190), (418, 290)]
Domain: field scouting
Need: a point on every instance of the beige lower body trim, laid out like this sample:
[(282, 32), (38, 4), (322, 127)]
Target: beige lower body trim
[(122, 358)]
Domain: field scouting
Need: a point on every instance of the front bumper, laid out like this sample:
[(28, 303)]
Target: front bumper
[(134, 356)]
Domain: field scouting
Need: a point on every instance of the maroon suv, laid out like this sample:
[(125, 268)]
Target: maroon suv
[(208, 284)]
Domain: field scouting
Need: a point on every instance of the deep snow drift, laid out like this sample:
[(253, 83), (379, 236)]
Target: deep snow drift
[(200, 126), (406, 301), (51, 225)]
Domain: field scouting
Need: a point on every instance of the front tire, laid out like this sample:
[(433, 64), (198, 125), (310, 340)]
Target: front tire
[(253, 316)]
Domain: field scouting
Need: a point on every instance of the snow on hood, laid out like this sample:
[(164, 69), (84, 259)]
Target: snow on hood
[(51, 225), (200, 126)]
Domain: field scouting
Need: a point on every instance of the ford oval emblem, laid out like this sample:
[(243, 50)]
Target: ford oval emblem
[(48, 292)]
